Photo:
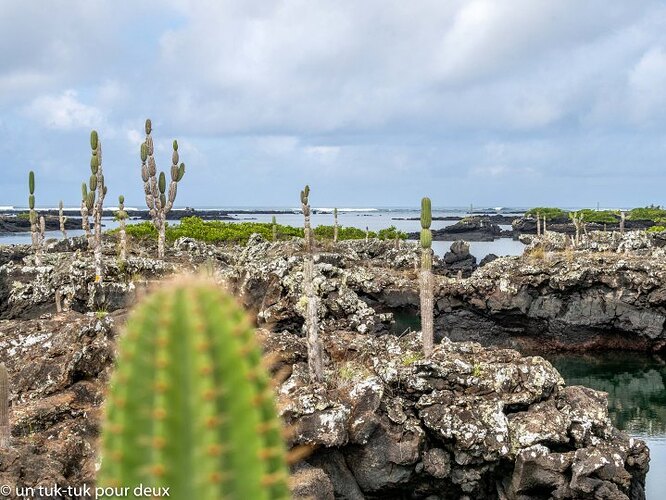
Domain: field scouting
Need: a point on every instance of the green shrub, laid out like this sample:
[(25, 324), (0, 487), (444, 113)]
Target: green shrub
[(656, 229), (344, 233), (599, 216), (653, 213), (140, 230), (550, 212), (391, 233)]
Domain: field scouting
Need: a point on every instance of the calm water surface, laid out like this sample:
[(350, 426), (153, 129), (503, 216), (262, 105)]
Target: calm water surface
[(636, 387)]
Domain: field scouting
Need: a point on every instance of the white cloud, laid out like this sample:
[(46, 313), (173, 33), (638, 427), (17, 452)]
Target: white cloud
[(64, 111), (648, 83)]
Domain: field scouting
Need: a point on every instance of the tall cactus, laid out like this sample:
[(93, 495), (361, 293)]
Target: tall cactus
[(623, 218), (335, 225), (62, 219), (426, 279), (315, 350), (5, 428), (158, 200), (37, 226), (190, 405), (274, 228), (121, 215), (94, 203)]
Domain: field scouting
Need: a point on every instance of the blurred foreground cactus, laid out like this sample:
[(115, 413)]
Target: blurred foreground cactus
[(190, 405), (121, 215), (425, 278), (315, 359), (37, 226), (158, 200)]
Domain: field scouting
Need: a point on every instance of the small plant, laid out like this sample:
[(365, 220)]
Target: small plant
[(101, 313), (410, 358), (537, 253), (158, 201), (190, 405), (476, 370)]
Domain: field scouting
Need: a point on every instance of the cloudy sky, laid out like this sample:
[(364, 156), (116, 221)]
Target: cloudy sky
[(373, 102)]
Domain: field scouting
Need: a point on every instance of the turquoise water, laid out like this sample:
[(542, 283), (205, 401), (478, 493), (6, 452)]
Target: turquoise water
[(636, 387)]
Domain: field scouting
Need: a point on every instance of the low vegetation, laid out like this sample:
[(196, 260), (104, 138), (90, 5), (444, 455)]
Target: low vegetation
[(240, 232), (653, 213), (549, 212)]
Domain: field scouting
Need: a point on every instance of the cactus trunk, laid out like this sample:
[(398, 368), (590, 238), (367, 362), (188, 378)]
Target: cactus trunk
[(335, 225), (63, 220), (315, 350), (274, 228), (623, 216), (425, 278), (122, 215), (190, 405), (538, 221), (5, 428)]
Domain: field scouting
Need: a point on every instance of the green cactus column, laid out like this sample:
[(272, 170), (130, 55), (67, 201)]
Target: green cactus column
[(121, 215), (190, 406), (315, 349), (335, 225), (158, 200), (426, 279), (5, 428)]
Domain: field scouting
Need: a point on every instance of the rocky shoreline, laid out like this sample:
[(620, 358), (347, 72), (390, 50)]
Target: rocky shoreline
[(474, 421)]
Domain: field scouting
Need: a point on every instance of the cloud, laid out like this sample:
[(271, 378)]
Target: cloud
[(65, 112)]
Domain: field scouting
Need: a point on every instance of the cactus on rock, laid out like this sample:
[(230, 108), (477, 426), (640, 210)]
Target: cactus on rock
[(62, 219), (315, 349), (36, 226), (92, 203), (426, 279), (190, 405), (121, 215), (158, 199)]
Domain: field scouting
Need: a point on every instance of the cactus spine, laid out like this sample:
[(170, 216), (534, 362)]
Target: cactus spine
[(63, 220), (190, 405), (121, 215), (335, 225), (274, 228), (5, 428), (315, 359), (37, 226), (93, 203), (426, 279), (159, 202)]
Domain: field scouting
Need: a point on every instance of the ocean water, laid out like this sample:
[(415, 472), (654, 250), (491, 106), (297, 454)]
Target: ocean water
[(372, 218)]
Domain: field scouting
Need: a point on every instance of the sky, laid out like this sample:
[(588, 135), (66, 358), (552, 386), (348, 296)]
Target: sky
[(372, 103)]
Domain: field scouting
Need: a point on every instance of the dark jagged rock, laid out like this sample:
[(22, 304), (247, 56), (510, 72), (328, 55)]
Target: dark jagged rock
[(488, 259), (458, 261), (471, 422), (13, 224), (469, 228)]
